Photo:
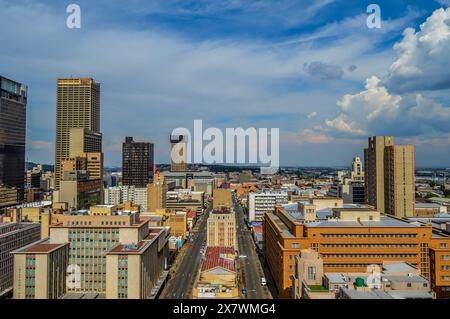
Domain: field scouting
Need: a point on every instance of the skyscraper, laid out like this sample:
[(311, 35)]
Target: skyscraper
[(400, 194), (374, 170), (178, 153), (137, 163), (77, 106), (389, 176), (13, 104)]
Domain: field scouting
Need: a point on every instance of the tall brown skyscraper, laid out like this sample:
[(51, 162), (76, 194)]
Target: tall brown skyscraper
[(400, 193), (77, 106), (137, 163), (178, 153), (156, 194), (13, 110), (389, 176)]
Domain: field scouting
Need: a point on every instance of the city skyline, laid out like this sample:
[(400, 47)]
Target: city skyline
[(354, 86)]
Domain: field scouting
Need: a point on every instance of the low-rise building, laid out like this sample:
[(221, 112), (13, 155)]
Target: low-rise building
[(217, 277)]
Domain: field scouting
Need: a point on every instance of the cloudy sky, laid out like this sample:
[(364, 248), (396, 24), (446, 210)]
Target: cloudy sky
[(311, 68)]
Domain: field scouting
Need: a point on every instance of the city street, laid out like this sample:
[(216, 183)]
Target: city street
[(251, 271), (181, 283)]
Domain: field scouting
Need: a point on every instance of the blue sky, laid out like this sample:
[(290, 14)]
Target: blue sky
[(311, 68)]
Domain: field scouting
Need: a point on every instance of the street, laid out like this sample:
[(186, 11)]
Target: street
[(181, 284), (251, 271)]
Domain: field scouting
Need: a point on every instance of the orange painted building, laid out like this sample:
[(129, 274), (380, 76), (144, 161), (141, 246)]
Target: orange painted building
[(349, 240)]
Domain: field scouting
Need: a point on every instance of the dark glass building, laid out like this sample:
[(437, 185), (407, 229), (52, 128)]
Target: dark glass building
[(137, 163), (13, 110)]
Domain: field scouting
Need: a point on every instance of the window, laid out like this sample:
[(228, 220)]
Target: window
[(311, 273), (296, 246)]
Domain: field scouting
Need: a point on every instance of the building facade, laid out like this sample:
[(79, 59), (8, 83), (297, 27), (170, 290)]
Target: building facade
[(14, 236), (13, 109), (137, 163), (40, 271), (347, 239), (221, 229), (178, 153), (77, 106)]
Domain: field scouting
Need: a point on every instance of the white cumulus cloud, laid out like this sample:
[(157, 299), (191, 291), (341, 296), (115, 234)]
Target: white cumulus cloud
[(422, 56)]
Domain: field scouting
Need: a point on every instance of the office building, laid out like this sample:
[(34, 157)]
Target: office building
[(127, 194), (13, 110), (197, 181), (93, 238), (264, 202), (178, 225), (77, 106), (221, 229), (400, 192), (137, 163), (8, 196), (178, 153), (40, 271), (156, 193), (80, 191), (14, 236), (222, 198), (185, 199), (348, 239)]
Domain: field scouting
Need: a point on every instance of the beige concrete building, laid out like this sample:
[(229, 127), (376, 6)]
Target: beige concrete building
[(222, 198), (374, 170), (217, 277), (40, 271), (400, 194), (156, 194), (221, 229), (14, 236), (185, 199), (389, 176), (91, 238), (77, 106), (178, 153)]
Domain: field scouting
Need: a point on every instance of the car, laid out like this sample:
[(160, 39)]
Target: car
[(263, 281)]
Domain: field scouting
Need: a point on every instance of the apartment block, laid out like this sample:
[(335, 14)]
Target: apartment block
[(12, 237)]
